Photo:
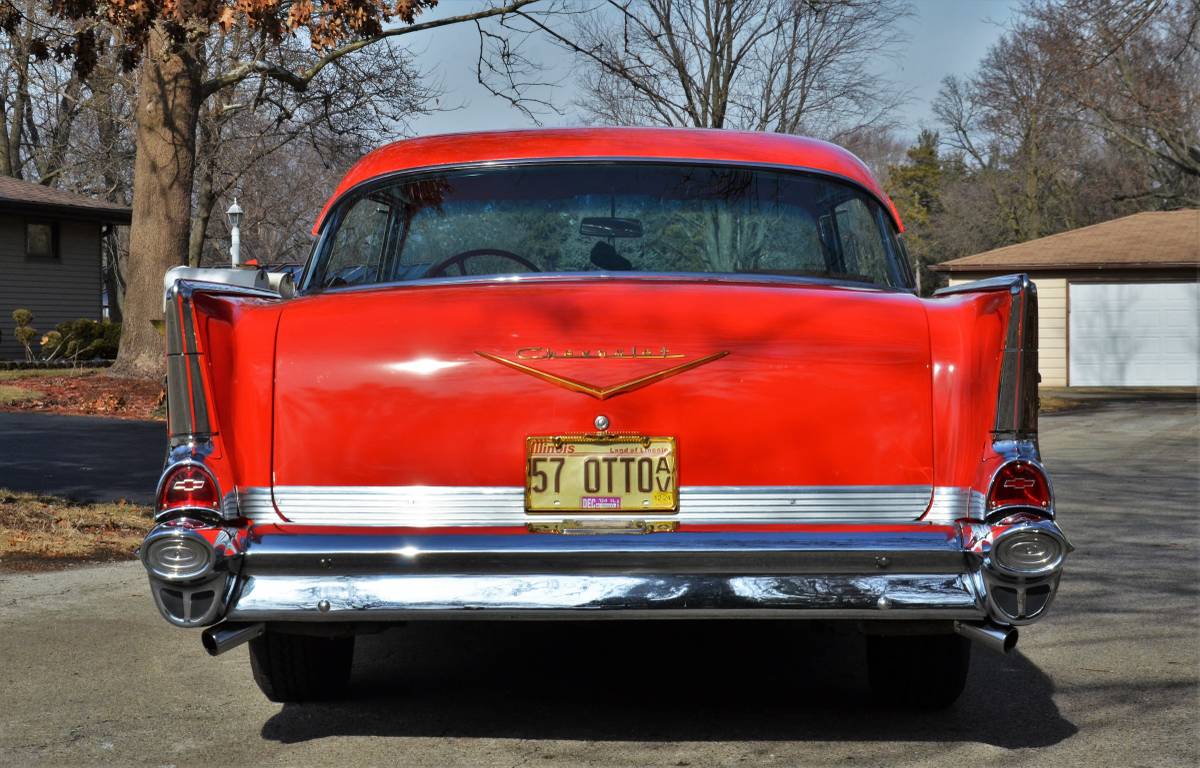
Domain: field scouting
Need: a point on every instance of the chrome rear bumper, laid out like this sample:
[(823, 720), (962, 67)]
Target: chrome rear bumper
[(536, 596), (914, 571)]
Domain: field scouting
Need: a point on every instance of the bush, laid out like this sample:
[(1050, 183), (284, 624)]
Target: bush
[(24, 333), (85, 339)]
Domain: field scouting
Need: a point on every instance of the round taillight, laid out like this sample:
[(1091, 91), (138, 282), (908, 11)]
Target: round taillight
[(189, 486), (1019, 484)]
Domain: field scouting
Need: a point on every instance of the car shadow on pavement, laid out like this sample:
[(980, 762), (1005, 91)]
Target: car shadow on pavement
[(658, 681)]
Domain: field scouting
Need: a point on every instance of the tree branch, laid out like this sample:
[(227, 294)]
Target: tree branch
[(300, 80)]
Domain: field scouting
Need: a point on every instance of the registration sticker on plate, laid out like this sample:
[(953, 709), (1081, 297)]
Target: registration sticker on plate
[(586, 473)]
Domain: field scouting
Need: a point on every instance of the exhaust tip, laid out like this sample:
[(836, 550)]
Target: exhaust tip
[(1010, 639), (223, 637), (209, 642), (991, 636)]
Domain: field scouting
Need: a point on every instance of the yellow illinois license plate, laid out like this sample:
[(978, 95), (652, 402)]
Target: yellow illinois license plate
[(617, 474)]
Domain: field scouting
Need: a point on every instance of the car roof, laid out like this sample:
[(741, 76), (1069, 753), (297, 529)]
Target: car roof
[(711, 145)]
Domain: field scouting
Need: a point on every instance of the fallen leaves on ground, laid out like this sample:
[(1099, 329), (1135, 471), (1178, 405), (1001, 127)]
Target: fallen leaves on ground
[(37, 532), (90, 393)]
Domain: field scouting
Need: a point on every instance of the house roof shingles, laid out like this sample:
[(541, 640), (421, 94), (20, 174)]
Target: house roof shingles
[(1150, 240), (26, 197)]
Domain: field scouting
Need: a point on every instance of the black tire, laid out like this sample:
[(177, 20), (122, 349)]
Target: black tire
[(291, 668), (920, 671)]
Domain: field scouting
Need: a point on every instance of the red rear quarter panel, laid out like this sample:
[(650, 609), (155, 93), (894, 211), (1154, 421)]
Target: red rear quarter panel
[(966, 333), (237, 336)]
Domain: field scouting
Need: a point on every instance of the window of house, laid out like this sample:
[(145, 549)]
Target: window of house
[(41, 240)]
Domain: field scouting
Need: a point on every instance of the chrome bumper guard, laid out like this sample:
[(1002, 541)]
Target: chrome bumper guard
[(924, 572)]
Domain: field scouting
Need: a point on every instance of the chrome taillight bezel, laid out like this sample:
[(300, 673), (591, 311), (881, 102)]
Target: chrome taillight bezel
[(994, 513), (213, 512)]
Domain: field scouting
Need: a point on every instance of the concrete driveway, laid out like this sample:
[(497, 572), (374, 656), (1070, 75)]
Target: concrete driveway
[(91, 675), (85, 458)]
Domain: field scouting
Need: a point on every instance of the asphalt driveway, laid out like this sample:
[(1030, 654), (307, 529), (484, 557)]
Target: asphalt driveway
[(85, 458), (89, 674)]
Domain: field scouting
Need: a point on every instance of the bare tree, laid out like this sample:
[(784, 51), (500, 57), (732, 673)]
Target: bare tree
[(791, 66), (1014, 125), (1135, 74), (40, 97), (256, 123)]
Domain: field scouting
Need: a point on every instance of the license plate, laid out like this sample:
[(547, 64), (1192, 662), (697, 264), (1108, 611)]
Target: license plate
[(618, 474)]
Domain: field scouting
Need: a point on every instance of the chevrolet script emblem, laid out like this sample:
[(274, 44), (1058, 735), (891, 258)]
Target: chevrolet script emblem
[(526, 357)]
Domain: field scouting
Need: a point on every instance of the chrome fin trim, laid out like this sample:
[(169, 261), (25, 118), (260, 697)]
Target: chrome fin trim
[(188, 408), (435, 506)]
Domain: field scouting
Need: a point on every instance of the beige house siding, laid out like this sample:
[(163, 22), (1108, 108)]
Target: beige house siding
[(1052, 328), (64, 289)]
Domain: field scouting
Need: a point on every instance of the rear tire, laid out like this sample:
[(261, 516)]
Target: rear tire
[(291, 668), (921, 671)]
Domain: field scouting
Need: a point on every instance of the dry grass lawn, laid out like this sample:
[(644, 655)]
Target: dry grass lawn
[(37, 373), (10, 394), (40, 531)]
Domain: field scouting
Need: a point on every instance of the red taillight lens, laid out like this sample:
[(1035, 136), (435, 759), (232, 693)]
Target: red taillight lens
[(1019, 483), (189, 486)]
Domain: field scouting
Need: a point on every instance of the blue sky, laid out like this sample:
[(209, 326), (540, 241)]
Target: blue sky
[(943, 37)]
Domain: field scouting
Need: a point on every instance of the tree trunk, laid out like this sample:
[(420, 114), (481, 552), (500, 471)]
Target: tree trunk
[(206, 196), (168, 106), (66, 112), (20, 104)]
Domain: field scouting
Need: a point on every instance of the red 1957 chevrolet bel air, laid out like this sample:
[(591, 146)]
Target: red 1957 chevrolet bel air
[(618, 373)]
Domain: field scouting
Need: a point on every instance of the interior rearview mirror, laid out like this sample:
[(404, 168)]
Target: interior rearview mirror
[(604, 226)]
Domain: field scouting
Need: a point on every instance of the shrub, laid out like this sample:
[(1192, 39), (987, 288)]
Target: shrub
[(85, 339), (25, 333), (51, 345)]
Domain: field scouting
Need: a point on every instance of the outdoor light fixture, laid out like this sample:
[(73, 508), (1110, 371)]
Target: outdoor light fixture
[(235, 232)]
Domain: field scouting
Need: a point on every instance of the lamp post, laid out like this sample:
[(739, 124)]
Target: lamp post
[(235, 232)]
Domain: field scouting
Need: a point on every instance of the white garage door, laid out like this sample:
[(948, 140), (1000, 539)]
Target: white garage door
[(1134, 334)]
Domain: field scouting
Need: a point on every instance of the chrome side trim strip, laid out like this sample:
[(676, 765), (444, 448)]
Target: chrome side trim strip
[(428, 506), (538, 596), (256, 504), (954, 503), (977, 506)]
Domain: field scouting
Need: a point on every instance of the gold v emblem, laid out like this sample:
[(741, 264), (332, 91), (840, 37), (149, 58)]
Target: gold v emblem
[(602, 393)]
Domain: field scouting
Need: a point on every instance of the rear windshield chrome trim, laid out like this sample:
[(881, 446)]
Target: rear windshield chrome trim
[(744, 278)]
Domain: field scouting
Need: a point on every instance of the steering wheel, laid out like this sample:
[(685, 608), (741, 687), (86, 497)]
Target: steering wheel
[(460, 259)]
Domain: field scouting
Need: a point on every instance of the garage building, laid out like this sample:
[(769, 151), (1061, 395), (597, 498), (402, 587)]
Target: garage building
[(1119, 302)]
